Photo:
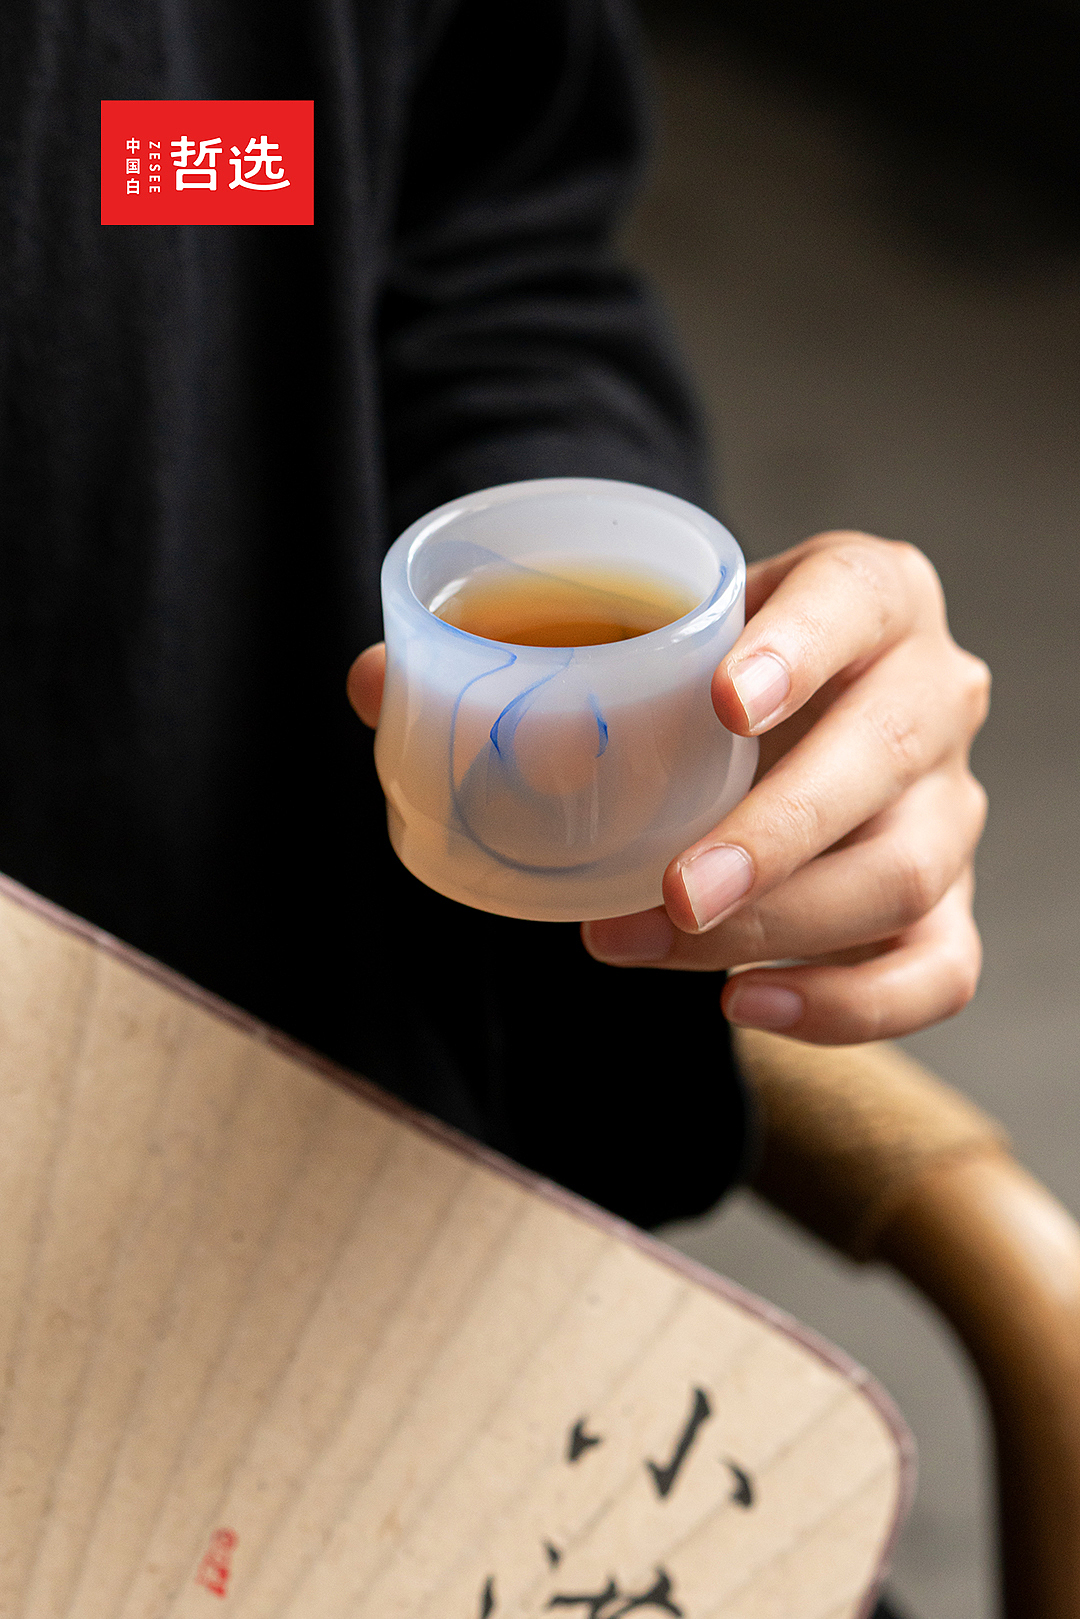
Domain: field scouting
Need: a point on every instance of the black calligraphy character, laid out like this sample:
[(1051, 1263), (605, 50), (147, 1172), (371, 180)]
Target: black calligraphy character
[(554, 1555), (610, 1593), (659, 1598), (743, 1492), (664, 1477), (487, 1600), (599, 1606), (580, 1441)]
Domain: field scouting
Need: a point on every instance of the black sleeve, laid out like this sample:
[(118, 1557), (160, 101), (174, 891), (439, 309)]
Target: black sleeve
[(192, 445), (514, 345), (514, 342)]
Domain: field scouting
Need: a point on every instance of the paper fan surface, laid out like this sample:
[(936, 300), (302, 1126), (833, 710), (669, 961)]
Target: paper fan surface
[(275, 1347)]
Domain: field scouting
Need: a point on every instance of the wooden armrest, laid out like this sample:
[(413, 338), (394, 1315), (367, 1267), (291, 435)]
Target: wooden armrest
[(1000, 1258), (869, 1151), (847, 1130)]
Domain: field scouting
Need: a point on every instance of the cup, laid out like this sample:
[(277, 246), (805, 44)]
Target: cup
[(556, 783)]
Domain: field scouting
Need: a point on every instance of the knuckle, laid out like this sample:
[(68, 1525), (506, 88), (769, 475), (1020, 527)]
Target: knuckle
[(857, 567), (961, 969), (920, 578), (746, 937), (866, 560), (962, 982), (919, 884), (979, 804), (899, 736), (872, 1020), (796, 823), (884, 565), (975, 686), (917, 566)]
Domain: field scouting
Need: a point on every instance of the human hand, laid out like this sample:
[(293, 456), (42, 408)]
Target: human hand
[(852, 853)]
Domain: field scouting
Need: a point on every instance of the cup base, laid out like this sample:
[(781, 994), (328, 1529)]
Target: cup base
[(528, 898), (455, 866)]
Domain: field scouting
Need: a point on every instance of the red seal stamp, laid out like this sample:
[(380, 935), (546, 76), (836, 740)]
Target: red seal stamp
[(216, 1565)]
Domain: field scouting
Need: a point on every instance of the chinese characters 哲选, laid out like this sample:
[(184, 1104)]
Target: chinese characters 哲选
[(196, 164)]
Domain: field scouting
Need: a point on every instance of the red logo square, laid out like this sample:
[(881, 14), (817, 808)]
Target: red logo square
[(207, 162)]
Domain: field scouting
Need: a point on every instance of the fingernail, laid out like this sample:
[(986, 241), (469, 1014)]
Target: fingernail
[(761, 684), (763, 1006), (715, 880), (641, 938)]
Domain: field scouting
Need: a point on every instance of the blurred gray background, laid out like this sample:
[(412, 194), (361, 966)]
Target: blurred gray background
[(877, 280)]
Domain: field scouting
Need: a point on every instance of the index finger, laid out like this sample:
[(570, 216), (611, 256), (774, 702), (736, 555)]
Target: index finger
[(831, 605), (911, 709)]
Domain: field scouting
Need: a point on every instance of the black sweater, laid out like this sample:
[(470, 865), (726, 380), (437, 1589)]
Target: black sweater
[(209, 437)]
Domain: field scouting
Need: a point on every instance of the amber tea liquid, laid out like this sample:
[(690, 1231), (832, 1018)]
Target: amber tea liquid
[(567, 607)]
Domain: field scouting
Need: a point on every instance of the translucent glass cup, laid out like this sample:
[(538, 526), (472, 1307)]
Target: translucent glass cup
[(556, 783)]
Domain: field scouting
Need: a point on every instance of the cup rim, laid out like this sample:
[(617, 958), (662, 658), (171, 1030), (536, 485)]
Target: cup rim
[(707, 613)]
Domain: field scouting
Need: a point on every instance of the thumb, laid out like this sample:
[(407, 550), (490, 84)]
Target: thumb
[(364, 683)]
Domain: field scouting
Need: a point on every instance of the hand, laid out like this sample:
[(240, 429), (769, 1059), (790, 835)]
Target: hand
[(852, 853)]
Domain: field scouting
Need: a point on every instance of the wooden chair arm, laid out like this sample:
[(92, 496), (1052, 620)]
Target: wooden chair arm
[(869, 1151)]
